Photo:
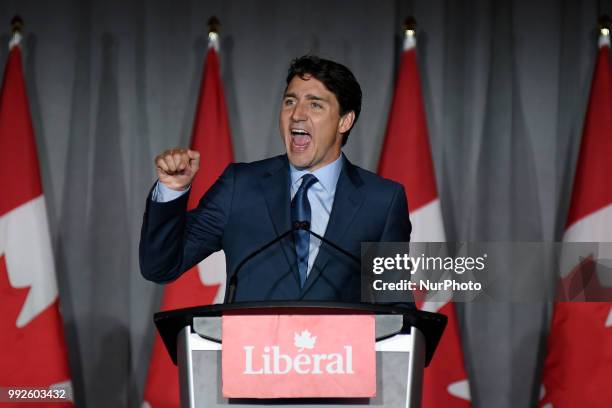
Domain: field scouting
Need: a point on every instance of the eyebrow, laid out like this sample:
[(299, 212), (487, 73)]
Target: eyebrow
[(310, 97)]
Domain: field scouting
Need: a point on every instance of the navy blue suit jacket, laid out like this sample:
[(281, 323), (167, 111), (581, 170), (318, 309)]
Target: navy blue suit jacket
[(248, 206)]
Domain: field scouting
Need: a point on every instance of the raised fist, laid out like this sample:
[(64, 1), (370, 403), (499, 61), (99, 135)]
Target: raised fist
[(177, 167)]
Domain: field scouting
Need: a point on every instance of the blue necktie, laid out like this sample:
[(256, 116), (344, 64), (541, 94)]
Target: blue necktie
[(300, 212)]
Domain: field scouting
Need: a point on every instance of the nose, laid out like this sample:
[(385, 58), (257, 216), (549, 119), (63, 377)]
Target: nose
[(299, 113)]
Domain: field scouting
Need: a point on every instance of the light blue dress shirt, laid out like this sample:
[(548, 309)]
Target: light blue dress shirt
[(163, 194), (321, 198), (320, 195)]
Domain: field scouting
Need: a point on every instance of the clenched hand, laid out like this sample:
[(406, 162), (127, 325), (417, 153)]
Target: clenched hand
[(177, 167)]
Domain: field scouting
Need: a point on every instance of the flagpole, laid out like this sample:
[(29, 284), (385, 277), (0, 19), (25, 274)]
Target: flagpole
[(16, 30), (204, 283), (579, 344), (213, 33), (33, 350)]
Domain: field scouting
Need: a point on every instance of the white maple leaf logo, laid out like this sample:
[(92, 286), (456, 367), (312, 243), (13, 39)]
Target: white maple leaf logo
[(304, 340)]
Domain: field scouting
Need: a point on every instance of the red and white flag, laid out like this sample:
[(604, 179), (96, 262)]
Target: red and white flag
[(205, 283), (578, 365), (32, 345), (406, 158)]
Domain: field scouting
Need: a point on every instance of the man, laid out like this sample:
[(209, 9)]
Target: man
[(252, 203)]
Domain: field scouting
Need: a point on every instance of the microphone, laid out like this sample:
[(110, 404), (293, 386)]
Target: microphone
[(232, 284), (305, 225)]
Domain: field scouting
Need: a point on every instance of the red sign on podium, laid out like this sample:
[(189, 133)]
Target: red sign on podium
[(298, 356)]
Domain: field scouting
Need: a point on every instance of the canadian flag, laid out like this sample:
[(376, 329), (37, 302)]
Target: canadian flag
[(578, 365), (205, 283), (32, 347), (406, 158)]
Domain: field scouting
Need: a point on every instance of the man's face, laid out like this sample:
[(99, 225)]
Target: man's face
[(310, 123)]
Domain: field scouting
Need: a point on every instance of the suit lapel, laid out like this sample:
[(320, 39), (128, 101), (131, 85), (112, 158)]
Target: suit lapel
[(347, 201), (275, 185)]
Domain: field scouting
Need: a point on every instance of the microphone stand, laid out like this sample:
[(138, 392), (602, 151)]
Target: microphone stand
[(232, 285)]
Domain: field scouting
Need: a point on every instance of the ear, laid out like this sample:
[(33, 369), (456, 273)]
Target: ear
[(346, 122)]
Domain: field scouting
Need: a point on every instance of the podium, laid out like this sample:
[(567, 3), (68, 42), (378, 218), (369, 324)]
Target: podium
[(406, 340)]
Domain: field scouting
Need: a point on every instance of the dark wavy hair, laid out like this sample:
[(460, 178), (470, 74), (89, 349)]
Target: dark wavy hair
[(337, 78)]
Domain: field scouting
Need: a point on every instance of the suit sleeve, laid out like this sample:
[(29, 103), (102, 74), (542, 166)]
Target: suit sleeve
[(173, 240), (397, 225)]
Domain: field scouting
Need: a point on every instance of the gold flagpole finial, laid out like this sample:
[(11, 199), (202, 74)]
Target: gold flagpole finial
[(16, 25), (605, 25), (410, 26), (16, 31), (213, 33), (214, 25)]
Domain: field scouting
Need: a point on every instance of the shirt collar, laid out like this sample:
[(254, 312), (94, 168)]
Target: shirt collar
[(327, 175)]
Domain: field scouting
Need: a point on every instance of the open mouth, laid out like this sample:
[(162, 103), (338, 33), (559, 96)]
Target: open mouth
[(300, 139)]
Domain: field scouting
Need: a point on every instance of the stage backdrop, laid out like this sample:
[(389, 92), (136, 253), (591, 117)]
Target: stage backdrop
[(113, 83)]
